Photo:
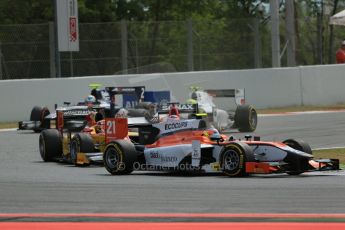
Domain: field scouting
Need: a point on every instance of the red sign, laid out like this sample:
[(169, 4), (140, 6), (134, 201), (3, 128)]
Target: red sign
[(115, 128), (73, 29)]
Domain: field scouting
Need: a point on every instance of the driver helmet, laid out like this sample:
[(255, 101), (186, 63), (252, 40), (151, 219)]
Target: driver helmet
[(122, 113), (90, 99), (194, 96), (213, 130), (173, 118)]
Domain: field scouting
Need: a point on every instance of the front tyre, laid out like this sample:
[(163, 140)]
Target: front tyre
[(119, 157), (38, 114), (81, 142), (299, 145), (298, 165), (234, 157)]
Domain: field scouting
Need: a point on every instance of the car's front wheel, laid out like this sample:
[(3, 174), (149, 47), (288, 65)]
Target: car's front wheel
[(81, 142), (234, 157)]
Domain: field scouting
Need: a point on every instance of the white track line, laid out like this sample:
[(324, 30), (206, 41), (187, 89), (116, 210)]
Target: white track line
[(301, 113), (8, 130)]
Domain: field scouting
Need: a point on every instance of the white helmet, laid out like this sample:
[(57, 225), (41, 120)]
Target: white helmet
[(173, 118), (122, 113), (90, 99)]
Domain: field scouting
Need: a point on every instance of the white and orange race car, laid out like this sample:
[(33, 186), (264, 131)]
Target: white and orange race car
[(187, 145)]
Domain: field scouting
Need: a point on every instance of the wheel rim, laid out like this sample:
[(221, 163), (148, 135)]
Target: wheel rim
[(231, 160), (42, 146), (113, 158), (74, 151), (253, 118)]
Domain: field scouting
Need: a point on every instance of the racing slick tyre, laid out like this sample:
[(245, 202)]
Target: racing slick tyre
[(50, 144), (301, 146), (246, 118), (38, 114), (81, 142), (119, 157), (233, 159)]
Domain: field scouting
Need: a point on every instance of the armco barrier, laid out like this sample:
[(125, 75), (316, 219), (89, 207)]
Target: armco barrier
[(307, 85)]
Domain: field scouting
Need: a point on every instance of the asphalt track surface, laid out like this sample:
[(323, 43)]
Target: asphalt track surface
[(28, 185)]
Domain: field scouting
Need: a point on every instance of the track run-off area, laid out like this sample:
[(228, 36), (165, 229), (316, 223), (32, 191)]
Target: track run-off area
[(35, 194)]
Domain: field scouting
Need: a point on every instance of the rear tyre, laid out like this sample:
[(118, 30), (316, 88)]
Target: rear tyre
[(38, 114), (301, 146), (246, 118), (234, 157), (81, 142), (119, 157), (50, 144)]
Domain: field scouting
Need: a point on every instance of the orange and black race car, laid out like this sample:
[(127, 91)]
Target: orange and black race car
[(186, 146), (78, 141)]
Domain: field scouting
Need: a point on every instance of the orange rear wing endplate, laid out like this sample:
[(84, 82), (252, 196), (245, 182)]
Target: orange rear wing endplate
[(115, 128), (59, 121)]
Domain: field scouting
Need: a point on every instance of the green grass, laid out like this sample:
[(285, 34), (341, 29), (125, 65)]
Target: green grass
[(331, 153), (8, 125)]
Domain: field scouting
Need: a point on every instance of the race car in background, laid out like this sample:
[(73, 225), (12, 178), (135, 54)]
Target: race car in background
[(75, 141), (139, 102), (58, 144), (243, 118), (107, 101)]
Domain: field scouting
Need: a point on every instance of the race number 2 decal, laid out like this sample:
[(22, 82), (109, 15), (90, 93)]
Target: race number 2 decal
[(110, 128)]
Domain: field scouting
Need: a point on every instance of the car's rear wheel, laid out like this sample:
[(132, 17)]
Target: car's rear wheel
[(50, 144), (119, 157)]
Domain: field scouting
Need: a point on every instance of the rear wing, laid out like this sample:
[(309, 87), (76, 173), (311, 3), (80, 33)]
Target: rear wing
[(238, 94), (62, 123), (70, 112), (192, 110), (137, 91), (182, 108)]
